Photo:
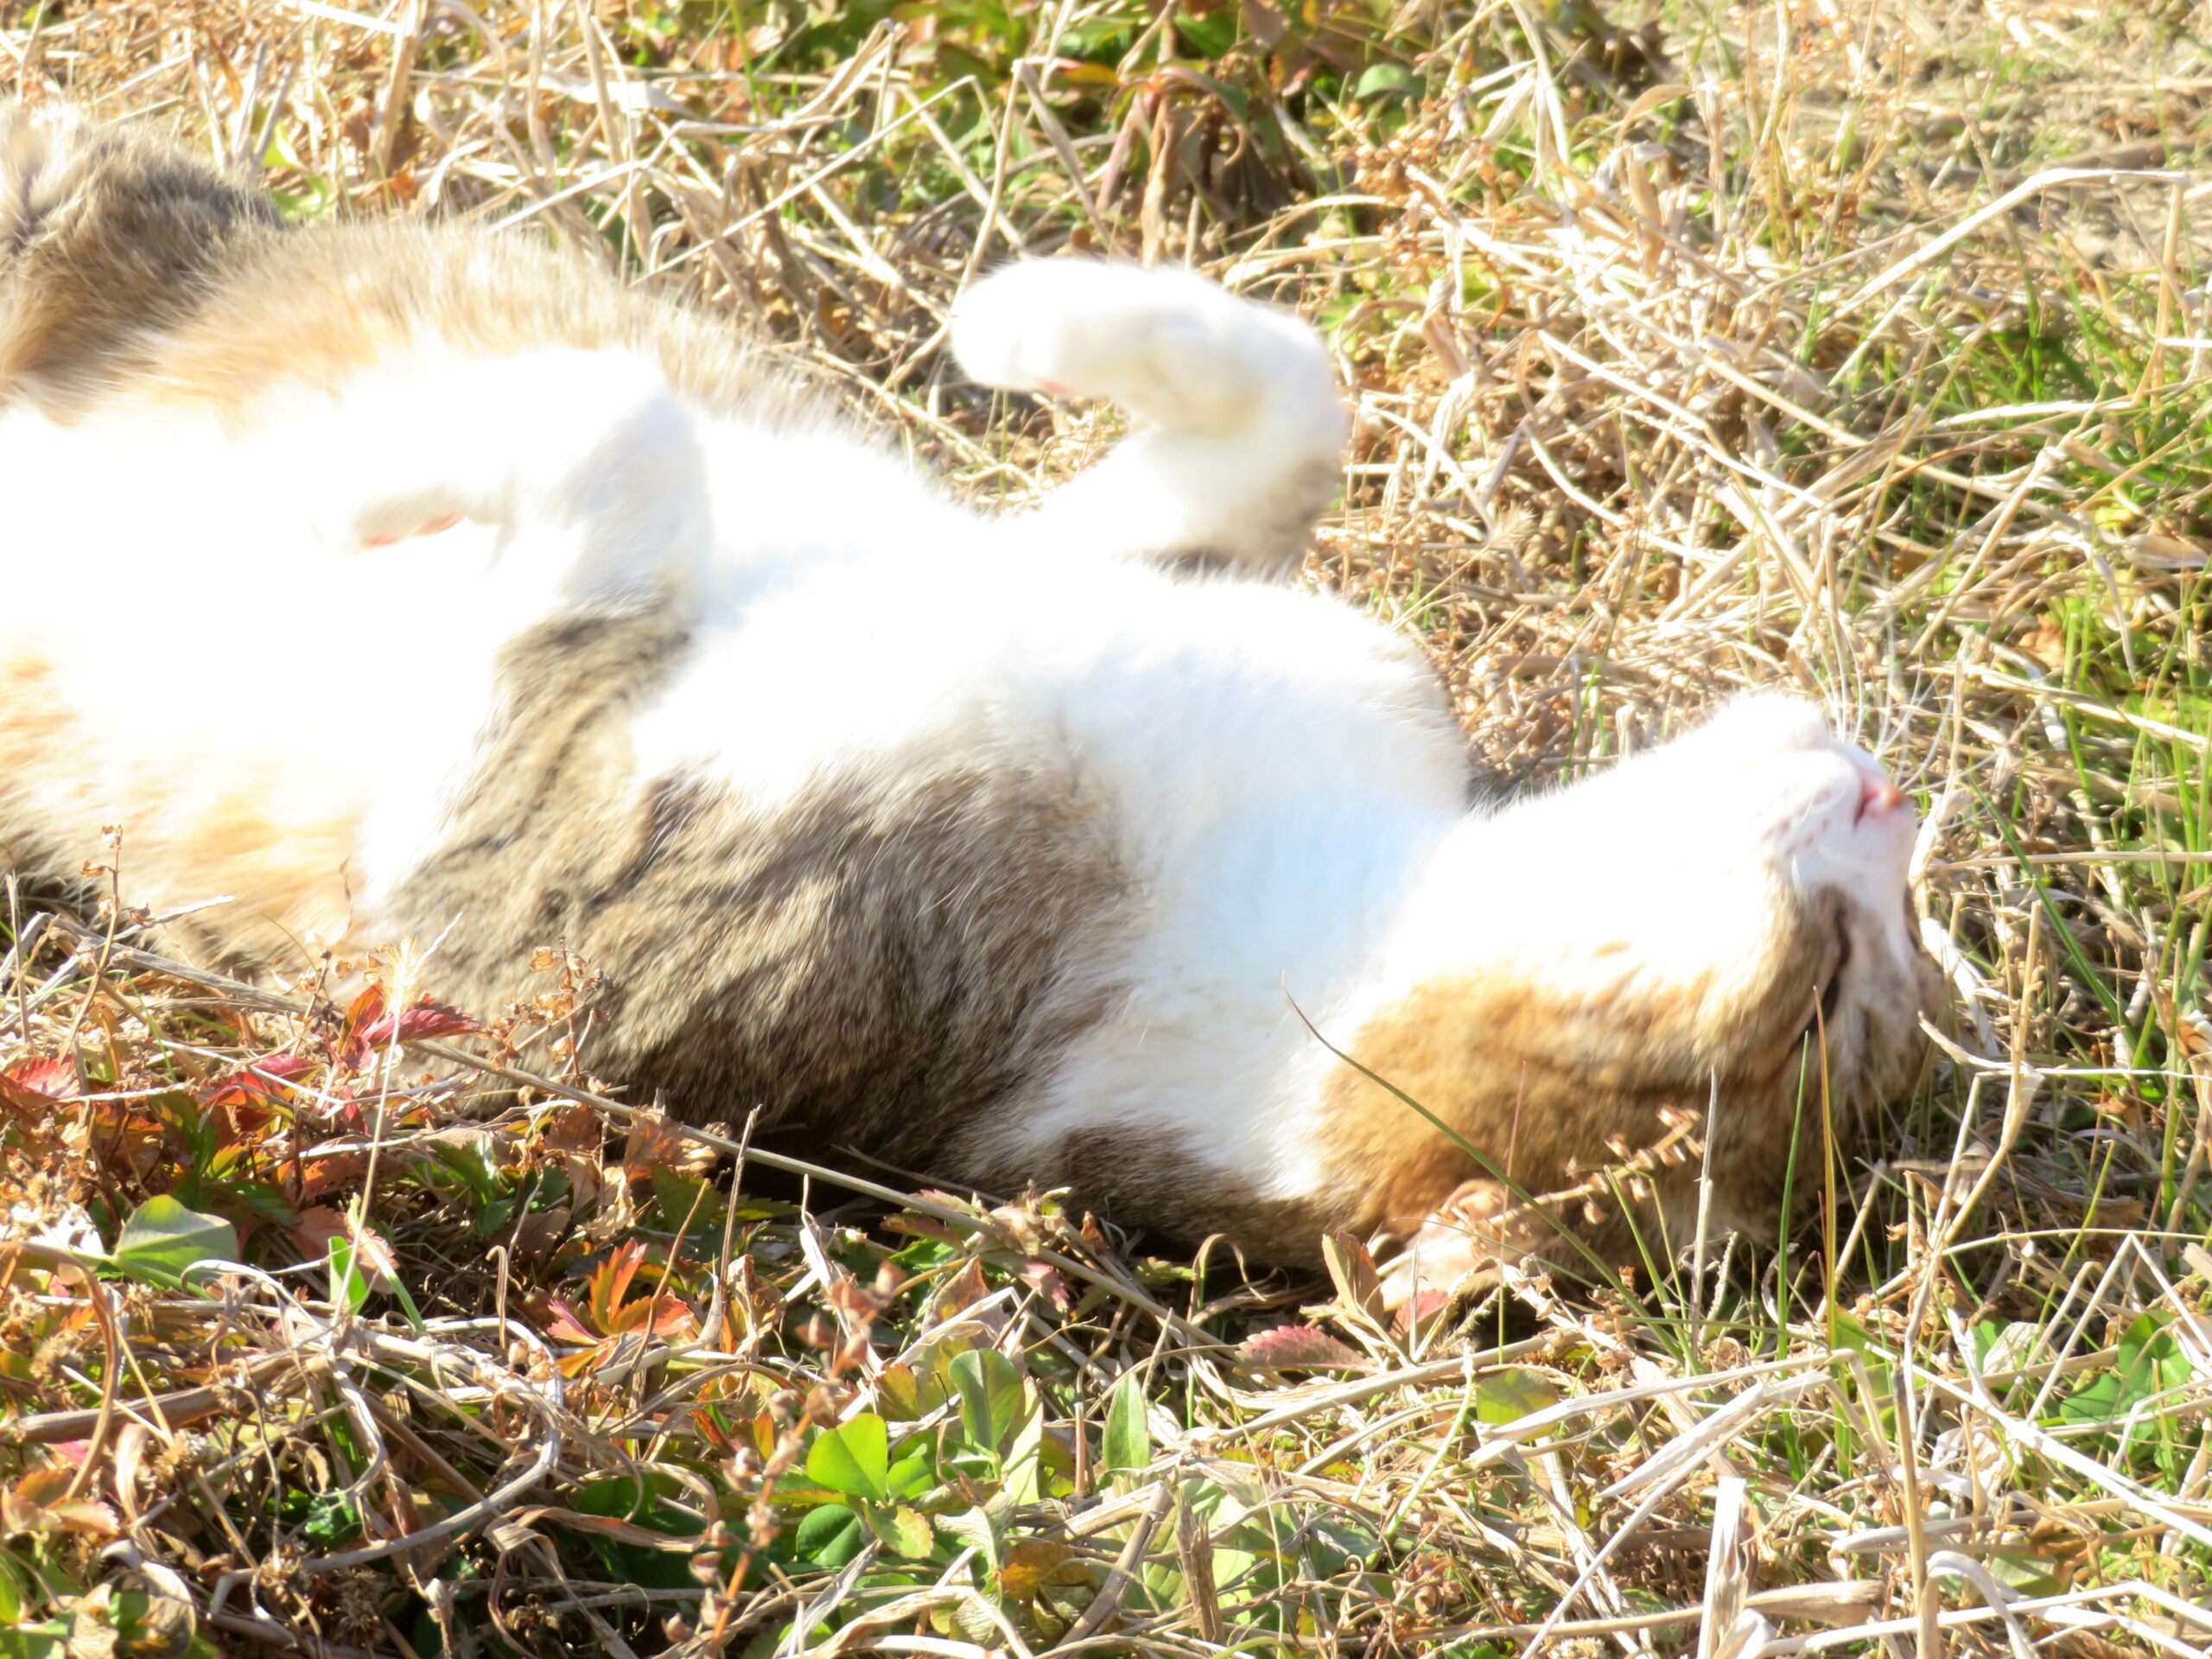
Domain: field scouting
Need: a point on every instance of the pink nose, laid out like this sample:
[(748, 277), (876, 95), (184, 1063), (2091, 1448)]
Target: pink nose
[(1878, 794)]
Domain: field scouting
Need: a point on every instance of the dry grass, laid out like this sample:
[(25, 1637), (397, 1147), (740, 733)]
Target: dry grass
[(1863, 347)]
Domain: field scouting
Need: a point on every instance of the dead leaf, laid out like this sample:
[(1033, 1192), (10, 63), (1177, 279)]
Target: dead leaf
[(38, 1503), (372, 1256), (1352, 1270), (1295, 1347), (1035, 1562), (655, 1143)]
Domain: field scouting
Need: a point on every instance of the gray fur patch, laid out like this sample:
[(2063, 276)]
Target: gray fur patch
[(880, 960)]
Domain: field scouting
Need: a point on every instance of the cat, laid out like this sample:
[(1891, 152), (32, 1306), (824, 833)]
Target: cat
[(397, 580)]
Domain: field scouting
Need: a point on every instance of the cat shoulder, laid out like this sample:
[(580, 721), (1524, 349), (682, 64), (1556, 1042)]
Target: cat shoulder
[(129, 266), (108, 235)]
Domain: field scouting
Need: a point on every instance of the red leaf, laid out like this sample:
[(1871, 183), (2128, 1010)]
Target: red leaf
[(673, 1318), (610, 1283), (1040, 1275), (259, 1082), (366, 1009), (350, 1048), (661, 1314), (34, 1085), (38, 1503), (319, 1177), (425, 1020), (1295, 1347), (428, 1019), (565, 1323)]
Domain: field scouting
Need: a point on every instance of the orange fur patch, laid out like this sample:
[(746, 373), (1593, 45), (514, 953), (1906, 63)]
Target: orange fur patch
[(1551, 1086), (1536, 1085), (286, 870), (290, 871)]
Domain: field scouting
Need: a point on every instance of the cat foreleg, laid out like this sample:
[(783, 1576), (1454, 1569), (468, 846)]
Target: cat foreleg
[(1243, 432), (585, 459)]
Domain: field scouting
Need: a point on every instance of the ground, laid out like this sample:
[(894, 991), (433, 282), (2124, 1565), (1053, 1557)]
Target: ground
[(1854, 346)]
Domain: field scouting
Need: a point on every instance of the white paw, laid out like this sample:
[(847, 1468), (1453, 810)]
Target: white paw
[(1167, 345), (1463, 1246), (389, 520), (589, 453)]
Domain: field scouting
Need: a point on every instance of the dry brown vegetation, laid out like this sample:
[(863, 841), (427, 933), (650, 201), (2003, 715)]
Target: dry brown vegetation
[(1860, 344)]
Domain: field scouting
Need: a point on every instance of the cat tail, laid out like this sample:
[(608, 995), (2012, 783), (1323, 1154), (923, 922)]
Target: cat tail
[(36, 146), (105, 239)]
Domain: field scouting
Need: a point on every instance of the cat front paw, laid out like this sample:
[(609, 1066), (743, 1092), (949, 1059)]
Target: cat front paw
[(388, 521), (1168, 346), (589, 456)]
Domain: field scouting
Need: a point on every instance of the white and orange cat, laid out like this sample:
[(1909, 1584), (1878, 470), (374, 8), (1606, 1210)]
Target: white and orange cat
[(400, 581)]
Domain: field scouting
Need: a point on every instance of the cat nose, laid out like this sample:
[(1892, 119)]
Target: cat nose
[(1877, 794)]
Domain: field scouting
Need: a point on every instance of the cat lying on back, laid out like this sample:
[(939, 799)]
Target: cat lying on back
[(402, 581)]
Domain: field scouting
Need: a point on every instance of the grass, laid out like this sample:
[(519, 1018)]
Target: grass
[(1857, 347)]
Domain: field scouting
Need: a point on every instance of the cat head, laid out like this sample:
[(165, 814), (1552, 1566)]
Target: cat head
[(1713, 939)]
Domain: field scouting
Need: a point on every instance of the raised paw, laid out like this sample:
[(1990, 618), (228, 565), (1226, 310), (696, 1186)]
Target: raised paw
[(386, 521), (585, 462), (1167, 345), (441, 522)]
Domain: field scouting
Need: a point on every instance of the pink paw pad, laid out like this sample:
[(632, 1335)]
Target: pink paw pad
[(392, 538)]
